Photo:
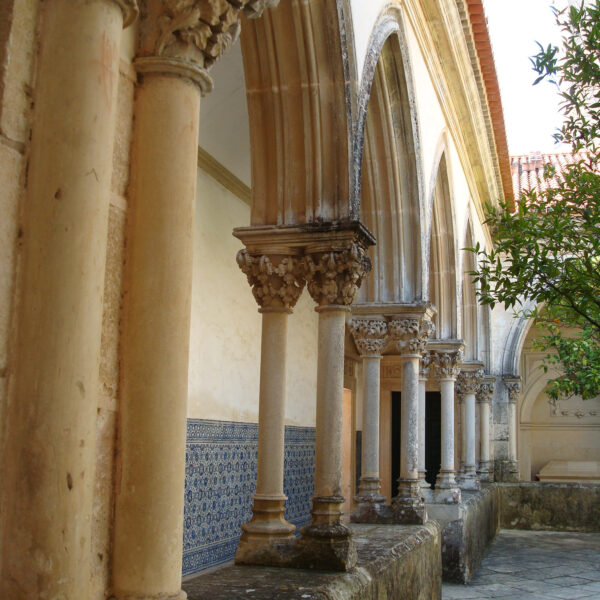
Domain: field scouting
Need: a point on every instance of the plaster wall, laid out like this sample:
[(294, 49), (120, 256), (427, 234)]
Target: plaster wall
[(225, 336)]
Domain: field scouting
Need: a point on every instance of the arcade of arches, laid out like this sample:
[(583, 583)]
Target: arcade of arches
[(350, 147)]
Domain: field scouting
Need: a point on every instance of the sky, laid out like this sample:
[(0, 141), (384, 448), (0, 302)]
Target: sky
[(531, 112)]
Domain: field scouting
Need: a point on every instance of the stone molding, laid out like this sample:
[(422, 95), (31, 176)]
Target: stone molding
[(411, 335), (370, 335), (186, 37), (334, 276), (513, 387), (277, 282), (485, 391), (468, 382)]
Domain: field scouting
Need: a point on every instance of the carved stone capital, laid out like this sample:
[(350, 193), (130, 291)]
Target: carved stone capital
[(370, 335), (468, 382), (411, 334), (425, 364), (485, 391), (130, 11), (333, 277), (186, 37), (448, 363), (513, 386), (276, 281)]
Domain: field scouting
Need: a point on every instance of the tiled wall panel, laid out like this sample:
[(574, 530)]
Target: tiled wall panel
[(220, 479)]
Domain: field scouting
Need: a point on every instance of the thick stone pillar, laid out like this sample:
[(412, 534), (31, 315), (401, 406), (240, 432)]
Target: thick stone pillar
[(276, 284), (513, 388), (333, 275), (410, 335), (484, 397), (177, 46), (370, 337), (466, 387), (49, 452), (424, 369), (447, 368)]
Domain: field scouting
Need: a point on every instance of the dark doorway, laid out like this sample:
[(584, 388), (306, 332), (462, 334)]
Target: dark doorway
[(396, 426), (433, 435)]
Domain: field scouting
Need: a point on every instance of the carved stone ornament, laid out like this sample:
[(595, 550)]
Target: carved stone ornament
[(447, 364), (411, 335), (370, 335), (485, 391), (334, 277), (468, 382), (130, 11), (273, 286), (425, 364), (186, 37), (514, 389)]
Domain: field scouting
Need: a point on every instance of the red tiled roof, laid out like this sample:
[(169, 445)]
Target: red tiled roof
[(490, 79), (527, 170)]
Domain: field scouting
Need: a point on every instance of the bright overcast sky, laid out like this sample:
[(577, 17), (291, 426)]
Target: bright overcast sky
[(531, 113)]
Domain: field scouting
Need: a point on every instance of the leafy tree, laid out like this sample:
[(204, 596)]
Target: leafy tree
[(548, 243)]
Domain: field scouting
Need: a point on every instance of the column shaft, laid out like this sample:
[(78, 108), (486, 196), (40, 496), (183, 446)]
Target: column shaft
[(512, 431), (422, 421), (49, 456), (463, 435), (409, 457), (156, 324), (484, 423), (469, 403), (371, 401)]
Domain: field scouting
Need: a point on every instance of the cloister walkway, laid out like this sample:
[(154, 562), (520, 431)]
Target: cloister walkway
[(535, 565)]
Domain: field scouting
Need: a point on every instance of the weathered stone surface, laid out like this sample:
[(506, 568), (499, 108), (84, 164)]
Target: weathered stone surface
[(393, 562), (465, 540), (558, 506)]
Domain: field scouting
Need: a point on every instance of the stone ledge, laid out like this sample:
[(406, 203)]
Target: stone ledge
[(394, 561)]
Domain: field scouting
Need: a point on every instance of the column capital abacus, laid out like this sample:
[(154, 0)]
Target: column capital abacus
[(485, 391), (334, 275), (370, 335), (468, 382), (276, 280), (447, 363), (186, 37), (411, 334), (513, 386)]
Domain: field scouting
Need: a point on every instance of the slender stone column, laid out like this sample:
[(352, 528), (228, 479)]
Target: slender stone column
[(276, 285), (333, 277), (467, 385), (370, 336), (447, 367), (463, 437), (50, 421), (423, 377), (410, 336), (513, 387), (176, 47), (484, 397)]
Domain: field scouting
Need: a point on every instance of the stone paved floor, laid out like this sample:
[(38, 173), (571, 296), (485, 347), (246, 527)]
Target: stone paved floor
[(535, 565)]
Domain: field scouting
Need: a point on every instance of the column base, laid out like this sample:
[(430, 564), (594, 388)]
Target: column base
[(326, 543), (371, 504), (446, 490), (468, 480), (422, 481), (181, 595), (485, 471), (408, 506), (506, 471), (267, 538)]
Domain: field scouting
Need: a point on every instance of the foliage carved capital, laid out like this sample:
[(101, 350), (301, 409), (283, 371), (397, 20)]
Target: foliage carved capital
[(485, 391), (277, 282), (333, 277), (425, 364), (370, 335), (514, 390), (411, 334), (468, 382), (186, 37), (447, 364)]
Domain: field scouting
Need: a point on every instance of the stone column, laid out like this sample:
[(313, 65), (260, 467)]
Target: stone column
[(276, 285), (484, 397), (50, 421), (513, 388), (410, 336), (466, 387), (424, 369), (370, 337), (177, 45), (333, 276), (447, 368)]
